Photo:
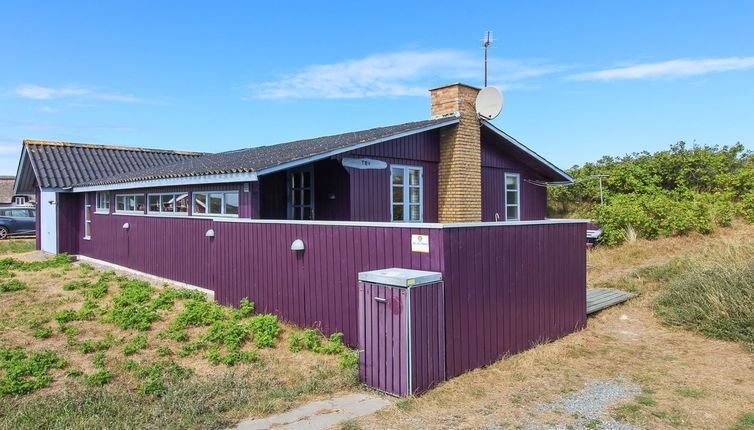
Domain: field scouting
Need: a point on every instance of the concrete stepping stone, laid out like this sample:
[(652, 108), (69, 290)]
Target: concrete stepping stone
[(319, 415)]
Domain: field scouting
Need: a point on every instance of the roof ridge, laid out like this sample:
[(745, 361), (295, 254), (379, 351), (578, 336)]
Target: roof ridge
[(452, 115), (112, 147)]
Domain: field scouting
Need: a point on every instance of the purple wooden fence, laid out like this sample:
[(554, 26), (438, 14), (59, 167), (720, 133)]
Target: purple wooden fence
[(509, 287), (254, 260)]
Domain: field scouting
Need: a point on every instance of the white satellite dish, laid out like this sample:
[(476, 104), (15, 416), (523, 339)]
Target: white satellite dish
[(489, 102)]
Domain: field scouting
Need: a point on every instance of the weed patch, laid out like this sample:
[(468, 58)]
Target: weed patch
[(12, 285), (136, 344), (25, 373)]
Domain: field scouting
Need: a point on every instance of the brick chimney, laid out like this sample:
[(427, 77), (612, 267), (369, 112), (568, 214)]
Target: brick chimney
[(460, 177)]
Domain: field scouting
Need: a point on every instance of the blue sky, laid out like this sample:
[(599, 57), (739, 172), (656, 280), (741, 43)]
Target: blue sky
[(581, 79)]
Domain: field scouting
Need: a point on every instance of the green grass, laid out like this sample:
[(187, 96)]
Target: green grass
[(745, 422), (714, 295), (690, 393), (13, 246), (154, 389), (183, 403)]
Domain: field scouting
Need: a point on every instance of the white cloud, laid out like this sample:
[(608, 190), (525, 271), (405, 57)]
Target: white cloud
[(404, 73), (668, 69), (48, 109), (38, 92)]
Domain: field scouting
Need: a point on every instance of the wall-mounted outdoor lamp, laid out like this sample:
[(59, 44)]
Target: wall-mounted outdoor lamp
[(126, 226), (210, 233), (297, 245)]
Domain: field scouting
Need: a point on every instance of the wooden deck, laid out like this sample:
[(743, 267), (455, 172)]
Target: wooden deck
[(601, 298)]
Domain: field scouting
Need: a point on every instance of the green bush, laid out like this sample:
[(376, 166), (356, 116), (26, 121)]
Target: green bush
[(136, 344), (42, 333), (132, 307), (266, 330), (26, 373), (98, 378), (198, 313), (667, 193), (245, 309), (90, 346), (230, 333), (12, 285)]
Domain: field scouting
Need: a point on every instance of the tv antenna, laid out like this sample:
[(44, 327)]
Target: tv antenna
[(487, 42)]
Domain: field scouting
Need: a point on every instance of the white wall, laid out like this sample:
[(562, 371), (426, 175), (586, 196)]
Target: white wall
[(48, 219)]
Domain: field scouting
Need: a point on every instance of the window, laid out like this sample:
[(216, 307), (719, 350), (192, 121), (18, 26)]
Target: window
[(168, 203), (216, 203), (18, 213), (406, 193), (87, 217), (301, 194), (512, 197), (129, 203), (103, 202), (20, 200)]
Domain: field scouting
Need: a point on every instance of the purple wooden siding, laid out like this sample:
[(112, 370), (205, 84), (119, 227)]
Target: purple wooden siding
[(533, 198), (370, 189), (496, 162), (382, 338), (273, 196), (510, 287), (427, 336), (70, 214), (331, 191)]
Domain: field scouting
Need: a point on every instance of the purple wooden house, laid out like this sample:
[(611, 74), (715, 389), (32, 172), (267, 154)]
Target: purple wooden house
[(291, 227)]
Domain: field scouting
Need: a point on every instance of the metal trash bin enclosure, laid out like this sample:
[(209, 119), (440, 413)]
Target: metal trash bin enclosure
[(401, 330)]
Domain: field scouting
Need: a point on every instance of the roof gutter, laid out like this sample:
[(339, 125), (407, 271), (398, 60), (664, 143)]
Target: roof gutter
[(168, 182), (564, 175)]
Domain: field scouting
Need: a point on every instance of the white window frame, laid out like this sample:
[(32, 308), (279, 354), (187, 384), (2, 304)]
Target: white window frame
[(20, 200), (126, 211), (222, 203), (98, 207), (406, 193), (174, 212), (291, 204), (517, 204), (87, 217)]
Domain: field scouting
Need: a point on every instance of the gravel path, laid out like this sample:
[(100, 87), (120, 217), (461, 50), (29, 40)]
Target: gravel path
[(588, 407)]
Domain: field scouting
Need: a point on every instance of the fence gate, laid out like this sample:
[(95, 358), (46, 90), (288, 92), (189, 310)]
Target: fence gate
[(401, 330)]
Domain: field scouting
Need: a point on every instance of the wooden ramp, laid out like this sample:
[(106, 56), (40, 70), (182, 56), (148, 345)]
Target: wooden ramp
[(601, 298)]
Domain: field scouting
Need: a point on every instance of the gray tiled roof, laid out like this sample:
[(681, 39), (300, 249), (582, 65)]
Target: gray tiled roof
[(264, 157), (63, 164)]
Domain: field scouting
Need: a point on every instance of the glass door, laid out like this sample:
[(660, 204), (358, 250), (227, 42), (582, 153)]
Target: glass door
[(301, 194)]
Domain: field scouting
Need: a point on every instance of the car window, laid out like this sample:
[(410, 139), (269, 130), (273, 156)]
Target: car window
[(18, 212)]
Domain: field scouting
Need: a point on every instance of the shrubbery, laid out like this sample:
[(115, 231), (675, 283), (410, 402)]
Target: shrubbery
[(667, 193)]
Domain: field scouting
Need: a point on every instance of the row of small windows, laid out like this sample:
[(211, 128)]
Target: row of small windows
[(204, 203)]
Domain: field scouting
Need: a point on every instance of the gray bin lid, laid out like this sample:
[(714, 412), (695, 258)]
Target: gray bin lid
[(400, 277)]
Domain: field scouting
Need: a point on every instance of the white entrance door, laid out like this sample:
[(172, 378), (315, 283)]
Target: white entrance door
[(48, 218)]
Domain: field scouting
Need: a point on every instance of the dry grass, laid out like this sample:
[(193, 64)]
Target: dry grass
[(613, 263), (45, 295), (689, 381)]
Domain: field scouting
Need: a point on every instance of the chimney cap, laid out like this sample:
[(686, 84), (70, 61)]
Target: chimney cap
[(455, 84)]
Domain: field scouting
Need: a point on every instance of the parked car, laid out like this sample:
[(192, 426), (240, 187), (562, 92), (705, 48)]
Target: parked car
[(593, 232), (17, 221)]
